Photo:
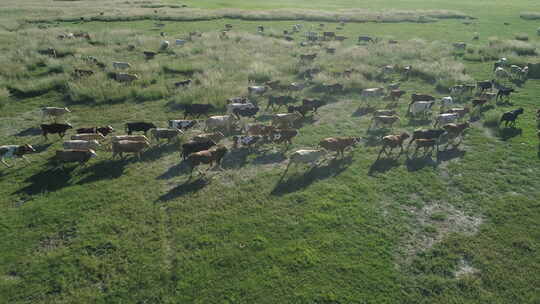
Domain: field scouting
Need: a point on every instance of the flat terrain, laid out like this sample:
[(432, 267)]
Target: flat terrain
[(457, 226)]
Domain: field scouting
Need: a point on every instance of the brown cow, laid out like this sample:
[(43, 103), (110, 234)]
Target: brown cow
[(339, 144), (206, 157)]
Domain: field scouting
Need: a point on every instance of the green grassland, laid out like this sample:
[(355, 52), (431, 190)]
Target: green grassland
[(460, 226)]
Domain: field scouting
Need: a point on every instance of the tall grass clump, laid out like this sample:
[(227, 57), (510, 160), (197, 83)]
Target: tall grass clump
[(530, 15), (521, 48), (4, 96), (38, 87)]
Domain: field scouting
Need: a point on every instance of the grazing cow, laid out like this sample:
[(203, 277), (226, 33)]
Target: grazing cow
[(197, 109), (445, 118), (524, 73), (460, 45), (285, 120), (88, 136), (308, 57), (260, 29), (454, 131), (215, 137), (168, 134), (511, 117), (260, 129), (362, 39), (426, 134), (209, 157), (426, 144), (295, 86), (130, 138), (83, 73), (515, 69), (139, 127), (233, 106), (247, 112), (279, 101), (339, 144), (461, 112), (183, 84), (504, 92), (121, 65), (305, 157), (15, 151), (500, 63), (74, 156), (479, 102), (55, 128), (128, 146), (102, 130), (421, 97), (302, 110), (53, 112), (420, 107), (48, 51), (193, 147), (333, 88), (182, 124), (384, 113), (149, 55), (81, 144), (372, 93), (484, 85), (501, 73), (257, 90), (164, 45), (396, 94), (387, 69), (241, 99), (392, 142), (447, 102), (384, 120), (246, 140), (221, 123), (125, 77), (313, 104), (341, 38), (280, 136)]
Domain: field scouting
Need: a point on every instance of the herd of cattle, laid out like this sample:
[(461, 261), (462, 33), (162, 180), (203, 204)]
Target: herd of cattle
[(205, 148)]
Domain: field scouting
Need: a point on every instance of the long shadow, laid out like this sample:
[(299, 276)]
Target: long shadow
[(235, 159), (104, 170), (174, 171), (32, 131), (419, 162), (448, 155), (508, 133), (157, 151), (298, 182), (41, 147), (269, 158), (383, 165), (49, 180), (308, 120), (415, 122), (362, 111), (183, 189)]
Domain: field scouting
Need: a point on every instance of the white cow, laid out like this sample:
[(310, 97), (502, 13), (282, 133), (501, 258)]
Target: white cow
[(372, 93), (240, 106), (125, 77), (259, 90), (164, 45), (306, 157), (446, 118), (88, 136), (501, 73), (219, 123), (286, 119), (54, 112), (420, 107)]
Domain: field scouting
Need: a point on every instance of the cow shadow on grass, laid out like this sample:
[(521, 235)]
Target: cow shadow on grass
[(157, 151), (267, 158), (48, 180), (32, 131), (382, 165), (362, 111), (509, 133), (308, 120), (450, 154), (104, 170), (420, 160), (293, 180), (174, 171), (236, 158), (416, 122), (184, 189), (41, 147)]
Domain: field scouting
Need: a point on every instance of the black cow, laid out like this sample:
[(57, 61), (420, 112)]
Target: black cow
[(193, 146), (139, 127), (484, 85), (279, 101), (197, 109), (315, 104), (184, 83), (246, 112), (511, 117), (504, 92), (426, 134), (302, 110), (102, 130), (55, 128)]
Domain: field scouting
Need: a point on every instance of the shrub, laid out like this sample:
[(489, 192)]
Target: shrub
[(522, 37)]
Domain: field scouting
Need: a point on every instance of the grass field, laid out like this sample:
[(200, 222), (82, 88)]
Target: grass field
[(459, 226)]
